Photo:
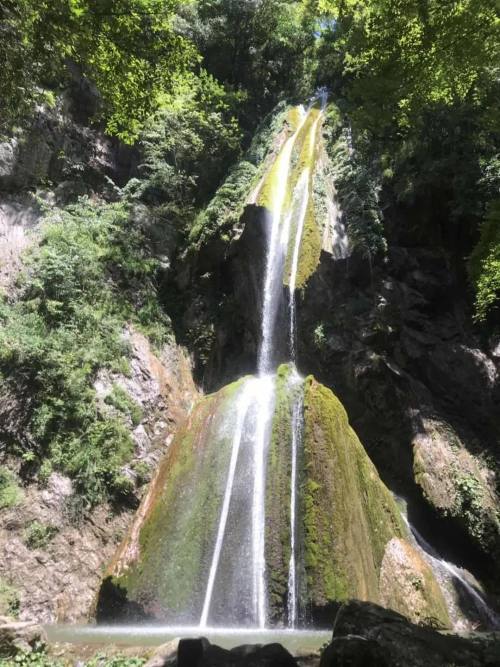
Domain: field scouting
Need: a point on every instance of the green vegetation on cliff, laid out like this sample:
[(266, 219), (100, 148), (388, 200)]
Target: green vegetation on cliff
[(87, 279)]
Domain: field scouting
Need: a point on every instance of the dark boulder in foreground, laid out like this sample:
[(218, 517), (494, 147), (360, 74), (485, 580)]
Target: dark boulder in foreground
[(201, 653), (366, 634)]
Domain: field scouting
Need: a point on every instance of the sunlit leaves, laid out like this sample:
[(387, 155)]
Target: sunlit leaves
[(128, 49), (412, 53)]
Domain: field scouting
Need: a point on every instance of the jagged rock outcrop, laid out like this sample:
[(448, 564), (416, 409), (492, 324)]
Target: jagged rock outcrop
[(347, 519), (19, 637), (396, 353), (53, 559)]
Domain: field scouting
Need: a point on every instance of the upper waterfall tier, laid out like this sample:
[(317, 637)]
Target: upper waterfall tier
[(293, 238)]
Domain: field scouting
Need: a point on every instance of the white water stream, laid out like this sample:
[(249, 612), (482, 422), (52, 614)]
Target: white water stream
[(276, 252), (244, 401), (255, 402), (445, 572)]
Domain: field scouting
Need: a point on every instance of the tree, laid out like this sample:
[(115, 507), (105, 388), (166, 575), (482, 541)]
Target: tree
[(400, 56), (257, 48), (128, 49)]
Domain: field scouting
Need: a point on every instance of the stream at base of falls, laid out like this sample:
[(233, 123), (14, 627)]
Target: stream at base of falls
[(294, 641)]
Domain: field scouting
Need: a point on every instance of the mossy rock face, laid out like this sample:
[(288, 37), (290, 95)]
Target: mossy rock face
[(349, 514), (407, 585), (303, 158), (278, 493), (347, 531), (161, 568), (457, 483)]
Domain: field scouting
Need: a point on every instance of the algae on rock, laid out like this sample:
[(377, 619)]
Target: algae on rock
[(161, 568)]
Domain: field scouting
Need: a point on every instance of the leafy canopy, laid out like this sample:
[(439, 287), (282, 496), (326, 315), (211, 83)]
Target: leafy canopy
[(399, 56), (128, 49)]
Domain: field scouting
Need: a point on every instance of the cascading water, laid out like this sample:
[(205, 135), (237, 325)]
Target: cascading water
[(447, 574), (255, 403), (276, 251), (244, 503), (242, 407)]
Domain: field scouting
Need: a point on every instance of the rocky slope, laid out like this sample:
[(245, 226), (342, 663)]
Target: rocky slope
[(52, 549)]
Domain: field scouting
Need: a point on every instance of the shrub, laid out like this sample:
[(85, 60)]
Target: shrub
[(9, 600), (38, 534), (484, 263), (91, 274), (10, 492), (120, 399)]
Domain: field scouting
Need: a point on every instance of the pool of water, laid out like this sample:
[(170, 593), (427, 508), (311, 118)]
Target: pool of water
[(154, 635)]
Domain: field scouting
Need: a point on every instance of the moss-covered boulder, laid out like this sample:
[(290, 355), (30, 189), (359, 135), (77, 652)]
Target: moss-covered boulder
[(321, 489), (350, 517), (407, 585)]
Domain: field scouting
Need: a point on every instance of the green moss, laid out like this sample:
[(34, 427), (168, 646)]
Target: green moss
[(176, 535), (305, 157), (310, 249), (349, 515), (278, 494)]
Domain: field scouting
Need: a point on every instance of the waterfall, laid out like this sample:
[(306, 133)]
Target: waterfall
[(265, 404), (297, 425), (276, 251), (303, 192), (445, 572), (247, 395), (302, 196), (288, 198)]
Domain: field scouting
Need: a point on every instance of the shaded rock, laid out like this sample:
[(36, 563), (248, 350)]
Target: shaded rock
[(366, 634), (8, 151), (457, 483), (200, 653), (18, 218), (165, 655), (353, 651)]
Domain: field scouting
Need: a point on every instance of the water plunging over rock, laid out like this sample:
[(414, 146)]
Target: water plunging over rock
[(266, 508)]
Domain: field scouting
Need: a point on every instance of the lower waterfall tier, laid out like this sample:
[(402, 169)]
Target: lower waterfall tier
[(192, 554)]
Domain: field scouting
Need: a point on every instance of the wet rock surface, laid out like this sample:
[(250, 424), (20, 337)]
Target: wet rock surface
[(421, 389), (19, 637), (201, 653)]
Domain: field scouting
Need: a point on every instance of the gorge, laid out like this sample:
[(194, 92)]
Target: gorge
[(249, 333)]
